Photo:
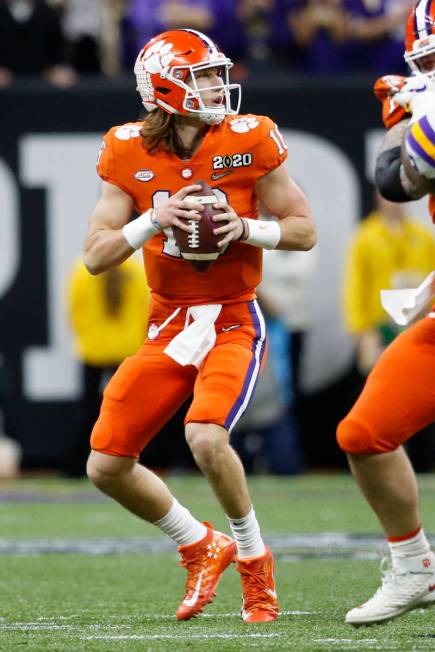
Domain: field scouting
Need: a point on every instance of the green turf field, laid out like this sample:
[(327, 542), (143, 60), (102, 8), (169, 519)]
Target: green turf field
[(79, 573)]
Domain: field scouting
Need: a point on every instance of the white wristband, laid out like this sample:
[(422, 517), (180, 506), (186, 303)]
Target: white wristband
[(421, 104), (142, 229), (262, 233)]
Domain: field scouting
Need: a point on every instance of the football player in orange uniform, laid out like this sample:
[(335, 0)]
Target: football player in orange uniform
[(399, 396), (206, 332)]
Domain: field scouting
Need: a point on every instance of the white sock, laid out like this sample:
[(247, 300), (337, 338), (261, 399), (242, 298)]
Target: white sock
[(246, 532), (415, 546), (181, 526)]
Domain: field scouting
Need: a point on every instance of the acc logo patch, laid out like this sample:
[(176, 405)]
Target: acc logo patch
[(243, 125), (144, 175)]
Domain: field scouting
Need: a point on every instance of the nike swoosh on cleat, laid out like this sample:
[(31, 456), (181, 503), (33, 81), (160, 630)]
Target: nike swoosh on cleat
[(194, 599), (225, 329), (219, 175)]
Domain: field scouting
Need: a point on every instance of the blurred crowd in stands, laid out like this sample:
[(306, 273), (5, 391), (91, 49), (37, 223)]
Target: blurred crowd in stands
[(63, 40)]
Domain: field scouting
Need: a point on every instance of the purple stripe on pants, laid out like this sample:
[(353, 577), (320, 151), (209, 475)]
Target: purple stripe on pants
[(420, 151), (427, 129), (254, 365)]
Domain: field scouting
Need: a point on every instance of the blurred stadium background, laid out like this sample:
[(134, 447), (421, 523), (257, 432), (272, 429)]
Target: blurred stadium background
[(48, 146), (49, 139)]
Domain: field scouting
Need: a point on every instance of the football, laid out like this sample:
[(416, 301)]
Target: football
[(200, 248)]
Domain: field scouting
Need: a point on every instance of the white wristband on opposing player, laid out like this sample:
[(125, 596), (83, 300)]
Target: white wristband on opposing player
[(142, 229), (261, 233), (421, 105)]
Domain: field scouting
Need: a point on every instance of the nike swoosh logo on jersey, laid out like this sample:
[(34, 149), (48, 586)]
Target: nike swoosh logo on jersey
[(194, 599), (225, 329), (218, 175)]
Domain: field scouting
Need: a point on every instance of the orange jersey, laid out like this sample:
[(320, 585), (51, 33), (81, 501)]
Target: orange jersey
[(385, 89), (393, 406), (232, 157)]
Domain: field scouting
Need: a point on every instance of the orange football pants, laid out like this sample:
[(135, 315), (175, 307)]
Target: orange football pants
[(149, 387), (399, 396)]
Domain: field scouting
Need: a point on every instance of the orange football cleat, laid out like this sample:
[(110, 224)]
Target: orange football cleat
[(260, 604), (205, 562)]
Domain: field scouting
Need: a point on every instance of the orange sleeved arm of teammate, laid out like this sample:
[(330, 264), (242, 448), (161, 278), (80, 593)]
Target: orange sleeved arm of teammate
[(385, 88)]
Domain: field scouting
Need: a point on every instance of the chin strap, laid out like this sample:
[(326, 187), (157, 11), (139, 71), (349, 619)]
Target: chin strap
[(208, 118)]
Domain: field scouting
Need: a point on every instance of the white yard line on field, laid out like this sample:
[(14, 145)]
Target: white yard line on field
[(355, 644), (288, 547), (186, 636), (45, 623), (345, 640), (34, 626)]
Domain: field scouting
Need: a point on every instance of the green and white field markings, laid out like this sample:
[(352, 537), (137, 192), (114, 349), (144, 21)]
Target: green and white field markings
[(78, 573)]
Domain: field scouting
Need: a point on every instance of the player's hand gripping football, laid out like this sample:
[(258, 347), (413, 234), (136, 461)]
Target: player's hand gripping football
[(178, 209), (233, 227)]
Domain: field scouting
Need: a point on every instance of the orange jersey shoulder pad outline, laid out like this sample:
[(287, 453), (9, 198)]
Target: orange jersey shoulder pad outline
[(269, 142), (117, 142)]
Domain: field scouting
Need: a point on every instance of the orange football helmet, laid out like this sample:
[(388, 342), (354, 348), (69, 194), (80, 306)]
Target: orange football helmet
[(420, 35), (165, 72)]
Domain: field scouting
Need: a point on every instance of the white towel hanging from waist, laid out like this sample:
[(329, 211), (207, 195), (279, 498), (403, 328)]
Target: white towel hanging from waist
[(404, 305), (196, 340)]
